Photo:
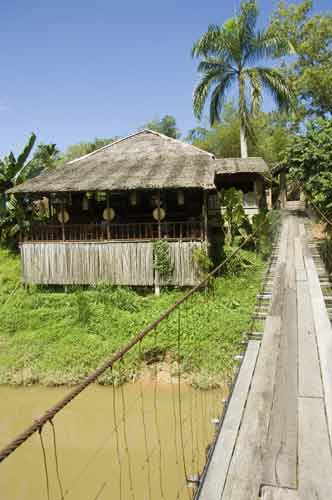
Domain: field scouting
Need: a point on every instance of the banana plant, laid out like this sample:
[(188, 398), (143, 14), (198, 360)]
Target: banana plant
[(14, 170), (235, 221)]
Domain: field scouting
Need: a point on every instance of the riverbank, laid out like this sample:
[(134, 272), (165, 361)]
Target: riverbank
[(51, 337)]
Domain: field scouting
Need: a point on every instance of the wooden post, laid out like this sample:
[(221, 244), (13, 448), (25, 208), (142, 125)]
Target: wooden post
[(108, 222), (62, 222), (158, 206), (269, 198), (156, 284), (205, 216), (283, 189)]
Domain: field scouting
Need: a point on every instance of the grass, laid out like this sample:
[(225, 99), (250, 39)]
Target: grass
[(51, 337)]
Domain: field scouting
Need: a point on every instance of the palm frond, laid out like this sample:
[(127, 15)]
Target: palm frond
[(202, 91), (266, 45), (209, 42), (247, 21), (276, 84), (218, 97)]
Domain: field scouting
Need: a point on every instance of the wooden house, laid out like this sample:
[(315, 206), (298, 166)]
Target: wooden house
[(106, 209)]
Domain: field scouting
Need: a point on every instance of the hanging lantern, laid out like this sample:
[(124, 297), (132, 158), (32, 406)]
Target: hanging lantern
[(85, 203), (109, 214), (133, 198), (63, 216), (159, 214), (180, 198)]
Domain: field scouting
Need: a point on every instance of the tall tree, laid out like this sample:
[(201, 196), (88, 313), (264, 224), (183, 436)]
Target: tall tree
[(165, 125), (229, 54), (311, 70)]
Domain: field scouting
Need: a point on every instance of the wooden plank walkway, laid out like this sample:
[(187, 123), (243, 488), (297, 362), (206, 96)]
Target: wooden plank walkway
[(275, 440)]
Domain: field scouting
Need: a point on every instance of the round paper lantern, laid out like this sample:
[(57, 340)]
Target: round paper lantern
[(109, 214), (63, 216), (162, 214)]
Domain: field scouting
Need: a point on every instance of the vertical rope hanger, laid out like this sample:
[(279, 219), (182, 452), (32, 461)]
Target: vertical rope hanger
[(146, 444), (57, 469), (47, 481), (180, 396), (117, 437)]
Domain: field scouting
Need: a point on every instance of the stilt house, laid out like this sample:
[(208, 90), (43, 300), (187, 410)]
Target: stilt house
[(105, 210)]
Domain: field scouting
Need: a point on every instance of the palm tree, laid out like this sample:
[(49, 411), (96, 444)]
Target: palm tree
[(228, 55)]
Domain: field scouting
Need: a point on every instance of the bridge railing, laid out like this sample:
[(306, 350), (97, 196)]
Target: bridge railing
[(161, 453)]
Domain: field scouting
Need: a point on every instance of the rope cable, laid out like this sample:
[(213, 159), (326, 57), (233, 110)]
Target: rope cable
[(47, 481), (57, 470)]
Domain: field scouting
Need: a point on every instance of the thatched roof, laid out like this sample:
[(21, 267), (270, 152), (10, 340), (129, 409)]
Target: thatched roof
[(145, 160), (227, 166)]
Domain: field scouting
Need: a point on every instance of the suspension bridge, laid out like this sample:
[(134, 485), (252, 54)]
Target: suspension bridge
[(268, 436)]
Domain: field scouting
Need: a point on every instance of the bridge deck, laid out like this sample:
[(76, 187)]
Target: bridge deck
[(279, 446)]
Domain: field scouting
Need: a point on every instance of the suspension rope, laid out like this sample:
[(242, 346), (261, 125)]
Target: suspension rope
[(180, 396), (117, 439), (156, 422), (146, 444), (47, 481), (57, 470), (125, 437)]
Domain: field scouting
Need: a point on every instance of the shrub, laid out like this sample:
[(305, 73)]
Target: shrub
[(161, 258)]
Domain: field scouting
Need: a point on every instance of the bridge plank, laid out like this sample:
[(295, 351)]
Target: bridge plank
[(215, 478), (246, 468), (323, 332), (280, 467), (315, 459), (310, 383)]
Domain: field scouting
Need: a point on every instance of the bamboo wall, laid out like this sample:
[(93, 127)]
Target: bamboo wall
[(120, 263)]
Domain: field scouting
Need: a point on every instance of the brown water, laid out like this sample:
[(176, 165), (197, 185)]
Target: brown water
[(142, 459)]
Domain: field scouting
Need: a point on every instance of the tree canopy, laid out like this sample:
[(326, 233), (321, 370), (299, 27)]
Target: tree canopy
[(166, 125), (310, 70)]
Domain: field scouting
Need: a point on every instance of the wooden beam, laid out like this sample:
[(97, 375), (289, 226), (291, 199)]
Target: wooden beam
[(205, 215)]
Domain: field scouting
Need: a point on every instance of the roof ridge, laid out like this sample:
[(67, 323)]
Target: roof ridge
[(144, 130), (103, 147), (180, 142), (237, 158)]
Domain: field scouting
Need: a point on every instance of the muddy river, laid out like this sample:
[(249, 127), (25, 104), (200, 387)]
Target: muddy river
[(96, 453)]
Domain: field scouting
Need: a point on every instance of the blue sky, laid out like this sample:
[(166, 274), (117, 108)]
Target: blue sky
[(75, 70)]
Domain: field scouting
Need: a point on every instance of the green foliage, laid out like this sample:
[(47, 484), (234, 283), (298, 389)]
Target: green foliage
[(165, 125), (83, 308), (235, 221), (46, 157), (228, 55), (261, 230), (310, 36), (61, 337), (161, 258), (242, 261), (15, 170), (309, 157), (202, 261), (123, 298)]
